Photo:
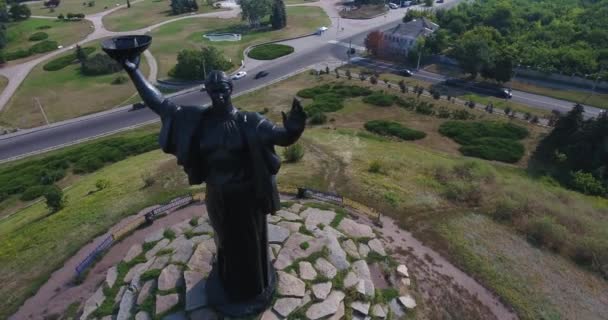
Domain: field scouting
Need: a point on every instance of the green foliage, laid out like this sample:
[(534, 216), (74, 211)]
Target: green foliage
[(34, 192), (254, 10), (304, 245), (487, 140), (575, 153), (586, 183), (43, 47), (293, 153), (317, 118), (120, 80), (270, 51), (340, 215), (375, 167), (150, 275), (64, 61), (395, 129), (55, 200), (183, 6), (18, 54), (17, 178), (101, 184), (278, 18), (565, 36), (38, 36), (330, 98), (19, 12), (99, 64), (194, 64), (544, 231), (169, 234), (381, 99)]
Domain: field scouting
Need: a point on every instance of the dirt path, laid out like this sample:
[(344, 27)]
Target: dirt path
[(446, 290), (58, 292)]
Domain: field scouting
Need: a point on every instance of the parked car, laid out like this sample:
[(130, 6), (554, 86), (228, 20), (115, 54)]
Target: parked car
[(261, 74), (406, 4), (439, 1), (393, 6), (239, 75), (507, 93)]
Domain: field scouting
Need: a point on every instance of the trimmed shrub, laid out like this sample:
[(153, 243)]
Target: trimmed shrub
[(43, 47), (586, 183), (19, 54), (38, 36), (62, 62), (326, 102), (395, 129), (45, 27), (375, 167), (270, 51), (100, 64), (293, 153), (381, 99), (120, 80), (491, 148), (467, 132)]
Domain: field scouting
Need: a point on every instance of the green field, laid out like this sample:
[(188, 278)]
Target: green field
[(64, 94), (447, 200), (144, 14), (169, 39), (74, 6), (65, 33)]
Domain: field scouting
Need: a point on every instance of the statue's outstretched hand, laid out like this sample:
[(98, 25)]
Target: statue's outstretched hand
[(295, 121), (131, 65)]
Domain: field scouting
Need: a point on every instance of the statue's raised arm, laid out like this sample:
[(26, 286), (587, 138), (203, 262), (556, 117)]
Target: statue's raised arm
[(294, 123), (151, 96)]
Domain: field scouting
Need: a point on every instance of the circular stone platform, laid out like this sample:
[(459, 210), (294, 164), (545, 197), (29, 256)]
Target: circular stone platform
[(324, 272)]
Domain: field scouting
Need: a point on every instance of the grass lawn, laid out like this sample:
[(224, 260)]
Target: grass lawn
[(188, 34), (65, 33), (143, 14), (35, 243), (74, 6), (3, 83), (64, 94), (364, 12)]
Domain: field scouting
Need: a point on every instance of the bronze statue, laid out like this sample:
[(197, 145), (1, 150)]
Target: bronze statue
[(233, 153)]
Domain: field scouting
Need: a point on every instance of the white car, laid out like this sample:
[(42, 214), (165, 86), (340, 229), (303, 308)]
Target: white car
[(239, 75), (393, 6)]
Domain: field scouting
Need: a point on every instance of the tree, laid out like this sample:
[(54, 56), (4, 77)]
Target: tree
[(279, 15), (20, 12), (475, 51), (195, 64), (81, 55), (128, 4), (2, 58), (3, 38), (55, 200), (429, 3), (373, 42), (183, 6), (254, 10), (3, 12)]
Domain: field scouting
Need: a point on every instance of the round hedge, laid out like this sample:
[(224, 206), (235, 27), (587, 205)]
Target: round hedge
[(395, 129), (62, 62), (44, 46), (270, 51), (38, 36)]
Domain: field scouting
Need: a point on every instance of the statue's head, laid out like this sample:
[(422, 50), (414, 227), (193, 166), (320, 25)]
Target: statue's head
[(219, 87)]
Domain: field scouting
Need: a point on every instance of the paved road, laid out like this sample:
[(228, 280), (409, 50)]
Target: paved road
[(533, 100)]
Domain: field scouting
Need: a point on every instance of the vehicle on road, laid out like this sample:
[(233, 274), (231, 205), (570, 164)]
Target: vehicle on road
[(138, 106), (239, 75), (406, 4), (406, 72), (261, 74), (393, 6), (483, 88)]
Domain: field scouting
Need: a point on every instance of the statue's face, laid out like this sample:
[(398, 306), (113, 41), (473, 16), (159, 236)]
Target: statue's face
[(219, 93)]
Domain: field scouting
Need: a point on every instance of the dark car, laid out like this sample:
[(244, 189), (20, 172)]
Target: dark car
[(406, 73), (261, 74), (137, 106)]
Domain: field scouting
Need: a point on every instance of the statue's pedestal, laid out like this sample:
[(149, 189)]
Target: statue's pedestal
[(219, 300)]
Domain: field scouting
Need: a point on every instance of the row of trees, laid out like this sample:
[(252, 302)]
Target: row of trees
[(16, 12), (576, 152), (254, 10)]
